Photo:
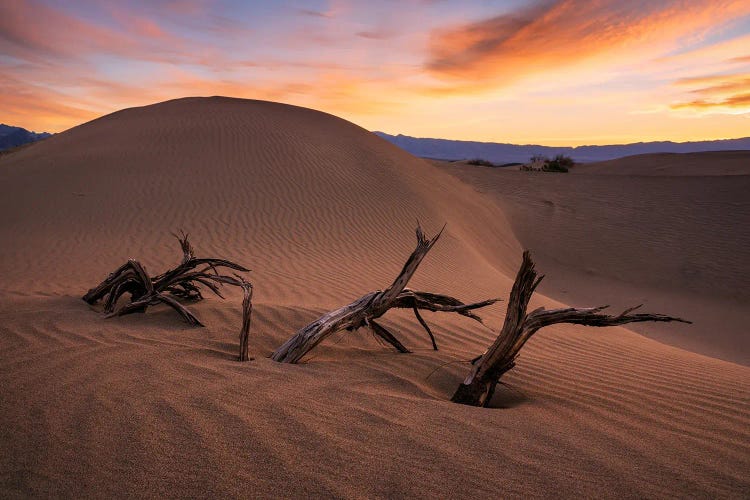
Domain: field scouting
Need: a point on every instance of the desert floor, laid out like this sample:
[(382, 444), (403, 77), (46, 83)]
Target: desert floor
[(323, 211)]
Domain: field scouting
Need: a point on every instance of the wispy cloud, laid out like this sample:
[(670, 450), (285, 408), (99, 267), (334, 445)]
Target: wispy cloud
[(49, 109), (735, 101), (549, 35), (729, 93), (315, 13), (37, 33)]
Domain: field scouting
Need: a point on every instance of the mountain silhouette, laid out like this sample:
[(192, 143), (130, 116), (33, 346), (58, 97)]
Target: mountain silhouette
[(11, 137), (445, 149)]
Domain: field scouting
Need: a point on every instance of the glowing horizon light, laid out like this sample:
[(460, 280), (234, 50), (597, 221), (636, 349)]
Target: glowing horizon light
[(565, 72)]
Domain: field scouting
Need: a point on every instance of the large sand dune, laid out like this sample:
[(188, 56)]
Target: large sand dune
[(322, 211)]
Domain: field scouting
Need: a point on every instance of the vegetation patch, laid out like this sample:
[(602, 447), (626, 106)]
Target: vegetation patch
[(559, 163), (481, 162)]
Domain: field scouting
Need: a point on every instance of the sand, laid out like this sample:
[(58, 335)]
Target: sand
[(679, 244), (322, 211), (704, 164)]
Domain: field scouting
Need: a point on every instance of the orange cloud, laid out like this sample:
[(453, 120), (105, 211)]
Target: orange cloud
[(716, 93), (549, 35), (736, 101), (720, 79), (38, 108), (726, 87), (336, 92)]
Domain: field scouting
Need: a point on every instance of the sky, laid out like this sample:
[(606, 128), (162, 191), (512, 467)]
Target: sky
[(553, 72)]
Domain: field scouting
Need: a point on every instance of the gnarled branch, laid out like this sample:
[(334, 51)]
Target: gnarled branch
[(479, 386), (182, 282), (363, 311)]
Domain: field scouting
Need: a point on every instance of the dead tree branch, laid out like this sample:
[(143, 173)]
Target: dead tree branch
[(365, 310), (479, 386), (183, 282)]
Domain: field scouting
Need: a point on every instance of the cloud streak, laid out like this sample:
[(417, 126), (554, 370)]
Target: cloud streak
[(728, 93), (549, 35)]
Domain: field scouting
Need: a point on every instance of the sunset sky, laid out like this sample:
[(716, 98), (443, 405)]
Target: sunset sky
[(550, 72)]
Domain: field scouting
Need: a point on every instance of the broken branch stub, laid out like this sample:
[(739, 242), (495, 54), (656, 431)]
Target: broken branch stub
[(479, 386), (247, 311), (365, 310)]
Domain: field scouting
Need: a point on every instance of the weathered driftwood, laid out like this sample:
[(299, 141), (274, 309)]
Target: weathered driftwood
[(247, 311), (182, 282), (365, 310), (479, 386)]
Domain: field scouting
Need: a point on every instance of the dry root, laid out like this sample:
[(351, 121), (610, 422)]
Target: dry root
[(479, 385), (183, 282), (365, 310)]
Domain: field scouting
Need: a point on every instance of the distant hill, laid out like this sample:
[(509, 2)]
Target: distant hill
[(11, 137), (446, 149)]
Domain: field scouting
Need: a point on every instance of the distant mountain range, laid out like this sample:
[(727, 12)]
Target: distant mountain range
[(11, 137), (446, 149), (496, 152)]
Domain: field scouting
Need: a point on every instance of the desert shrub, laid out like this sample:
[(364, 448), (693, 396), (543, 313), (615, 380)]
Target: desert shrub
[(559, 163), (480, 162), (538, 159), (536, 163)]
